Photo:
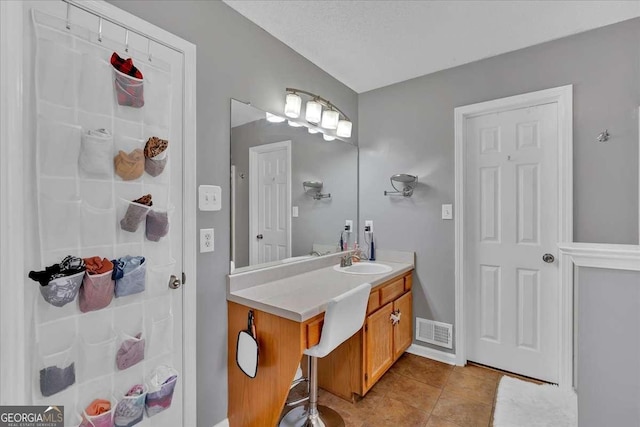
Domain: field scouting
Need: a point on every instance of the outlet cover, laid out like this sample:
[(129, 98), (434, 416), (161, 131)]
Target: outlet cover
[(369, 223), (206, 240)]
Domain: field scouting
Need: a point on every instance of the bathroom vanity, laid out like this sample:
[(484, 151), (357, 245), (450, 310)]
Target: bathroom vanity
[(288, 303)]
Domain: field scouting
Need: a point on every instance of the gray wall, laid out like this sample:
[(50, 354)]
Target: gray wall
[(608, 347), (408, 128), (236, 59), (333, 162)]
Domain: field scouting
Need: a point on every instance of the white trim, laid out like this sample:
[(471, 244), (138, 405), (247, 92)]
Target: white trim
[(223, 423), (13, 358), (639, 175), (563, 96), (594, 255), (433, 354), (253, 194)]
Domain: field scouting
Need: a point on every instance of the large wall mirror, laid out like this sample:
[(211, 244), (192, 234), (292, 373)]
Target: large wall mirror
[(291, 191)]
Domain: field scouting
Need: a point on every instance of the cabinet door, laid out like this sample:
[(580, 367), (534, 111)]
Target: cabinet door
[(403, 331), (379, 344)]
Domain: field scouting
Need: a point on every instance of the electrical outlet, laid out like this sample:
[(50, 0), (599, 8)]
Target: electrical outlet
[(348, 226), (368, 226), (206, 240)]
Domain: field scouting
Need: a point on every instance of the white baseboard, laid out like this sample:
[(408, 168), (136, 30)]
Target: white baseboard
[(223, 423), (430, 353)]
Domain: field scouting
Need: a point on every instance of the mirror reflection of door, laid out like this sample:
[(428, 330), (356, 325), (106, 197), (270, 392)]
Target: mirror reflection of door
[(270, 202)]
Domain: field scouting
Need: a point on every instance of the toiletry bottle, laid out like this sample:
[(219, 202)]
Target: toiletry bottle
[(341, 244), (357, 253), (372, 250)]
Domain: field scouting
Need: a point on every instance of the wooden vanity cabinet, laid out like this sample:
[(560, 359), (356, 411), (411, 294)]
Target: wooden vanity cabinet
[(356, 365)]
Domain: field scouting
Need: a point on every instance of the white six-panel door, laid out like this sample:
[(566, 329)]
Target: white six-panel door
[(511, 221), (270, 203)]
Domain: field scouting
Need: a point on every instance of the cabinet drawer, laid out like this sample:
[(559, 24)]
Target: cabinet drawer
[(408, 281), (392, 291), (374, 302)]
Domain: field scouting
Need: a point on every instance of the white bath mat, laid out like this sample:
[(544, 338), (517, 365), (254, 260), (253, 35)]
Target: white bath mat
[(523, 404)]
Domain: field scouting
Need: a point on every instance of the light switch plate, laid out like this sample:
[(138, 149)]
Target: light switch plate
[(209, 198), (348, 226), (447, 211), (206, 240), (294, 211)]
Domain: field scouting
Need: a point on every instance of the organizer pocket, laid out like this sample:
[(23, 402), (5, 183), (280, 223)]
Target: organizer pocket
[(62, 290), (131, 350), (134, 215), (58, 372), (56, 66), (158, 97), (158, 278), (97, 226), (161, 386), (130, 408), (132, 282), (97, 358), (161, 336), (104, 419), (60, 223), (94, 97), (96, 154), (58, 147), (129, 90), (96, 291), (154, 166), (157, 224)]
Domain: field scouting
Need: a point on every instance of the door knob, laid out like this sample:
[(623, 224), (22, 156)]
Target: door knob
[(548, 258), (259, 237), (174, 282)]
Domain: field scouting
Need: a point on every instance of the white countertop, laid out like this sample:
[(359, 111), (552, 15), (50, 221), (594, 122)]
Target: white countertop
[(302, 296)]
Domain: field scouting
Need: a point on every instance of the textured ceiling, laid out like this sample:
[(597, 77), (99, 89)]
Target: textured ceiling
[(370, 44)]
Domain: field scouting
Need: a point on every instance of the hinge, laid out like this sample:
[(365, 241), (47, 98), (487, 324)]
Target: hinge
[(366, 377), (366, 327), (184, 278)]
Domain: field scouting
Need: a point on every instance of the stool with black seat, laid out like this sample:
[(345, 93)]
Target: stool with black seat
[(344, 317)]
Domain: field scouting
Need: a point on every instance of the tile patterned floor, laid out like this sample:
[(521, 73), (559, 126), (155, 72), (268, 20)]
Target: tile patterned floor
[(419, 392)]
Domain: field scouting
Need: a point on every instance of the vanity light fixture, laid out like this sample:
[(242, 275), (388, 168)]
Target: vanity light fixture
[(328, 137), (294, 124), (318, 111), (272, 118), (292, 105), (312, 130)]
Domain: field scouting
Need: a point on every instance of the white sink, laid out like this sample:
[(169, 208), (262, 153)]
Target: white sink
[(364, 268)]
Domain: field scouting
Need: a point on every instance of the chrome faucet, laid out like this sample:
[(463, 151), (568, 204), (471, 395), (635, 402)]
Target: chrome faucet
[(345, 261)]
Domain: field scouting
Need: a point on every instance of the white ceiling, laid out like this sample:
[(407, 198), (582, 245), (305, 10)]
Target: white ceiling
[(370, 44)]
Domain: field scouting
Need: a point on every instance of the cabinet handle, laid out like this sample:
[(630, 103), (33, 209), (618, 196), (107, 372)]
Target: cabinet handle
[(395, 317)]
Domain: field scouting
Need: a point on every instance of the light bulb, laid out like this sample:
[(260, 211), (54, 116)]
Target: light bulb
[(344, 129), (272, 118), (292, 105), (328, 137), (312, 130), (294, 124), (330, 119), (313, 114)]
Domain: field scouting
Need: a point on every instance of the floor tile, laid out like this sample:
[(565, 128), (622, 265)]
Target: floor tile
[(462, 411), (423, 370), (472, 387), (439, 422), (479, 371), (407, 390), (394, 413)]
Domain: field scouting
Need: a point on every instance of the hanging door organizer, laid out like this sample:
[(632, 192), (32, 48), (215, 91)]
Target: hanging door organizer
[(103, 168)]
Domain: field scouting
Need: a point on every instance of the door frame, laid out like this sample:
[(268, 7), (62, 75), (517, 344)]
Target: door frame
[(253, 192), (563, 97), (13, 356)]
